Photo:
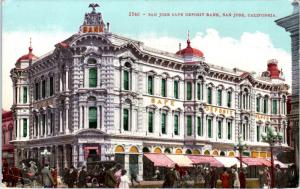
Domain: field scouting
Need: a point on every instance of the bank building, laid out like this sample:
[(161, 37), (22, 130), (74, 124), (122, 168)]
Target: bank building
[(102, 96)]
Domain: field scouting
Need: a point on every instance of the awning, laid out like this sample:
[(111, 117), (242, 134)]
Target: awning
[(276, 162), (180, 160), (159, 160), (229, 161), (255, 161), (198, 159)]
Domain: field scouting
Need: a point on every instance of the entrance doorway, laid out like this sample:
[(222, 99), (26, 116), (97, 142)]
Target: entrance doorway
[(93, 156), (134, 163)]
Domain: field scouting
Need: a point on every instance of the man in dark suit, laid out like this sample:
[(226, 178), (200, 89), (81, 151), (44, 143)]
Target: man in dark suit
[(82, 178), (47, 177)]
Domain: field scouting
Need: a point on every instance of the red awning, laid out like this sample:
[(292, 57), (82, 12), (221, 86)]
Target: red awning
[(198, 159), (159, 160), (256, 161)]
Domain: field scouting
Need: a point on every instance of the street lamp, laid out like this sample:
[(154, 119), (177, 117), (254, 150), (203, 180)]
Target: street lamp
[(240, 146), (45, 153), (272, 137)]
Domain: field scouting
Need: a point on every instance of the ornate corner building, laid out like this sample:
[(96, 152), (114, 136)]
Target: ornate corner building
[(100, 96), (291, 24)]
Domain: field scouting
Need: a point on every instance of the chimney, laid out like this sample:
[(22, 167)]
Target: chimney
[(107, 26), (179, 46)]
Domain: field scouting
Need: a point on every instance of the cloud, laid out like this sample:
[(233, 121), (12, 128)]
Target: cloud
[(251, 52), (15, 44)]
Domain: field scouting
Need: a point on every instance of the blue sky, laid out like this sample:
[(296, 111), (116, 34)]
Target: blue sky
[(225, 41), (46, 15)]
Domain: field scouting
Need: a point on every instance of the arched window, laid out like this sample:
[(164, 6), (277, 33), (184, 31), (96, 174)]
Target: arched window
[(274, 106), (125, 119), (176, 124), (188, 151), (209, 127), (219, 102), (25, 95), (266, 102), (150, 121), (229, 99), (167, 151), (229, 129), (126, 80), (209, 95), (258, 104), (150, 85), (92, 117), (189, 125), (199, 89), (164, 123), (283, 105), (222, 153), (189, 91), (176, 89), (199, 126), (92, 77), (92, 61), (220, 127), (145, 150), (164, 87), (206, 152), (245, 130), (246, 99), (25, 127)]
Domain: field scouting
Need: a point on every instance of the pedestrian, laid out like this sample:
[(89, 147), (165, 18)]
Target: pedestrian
[(231, 177), (82, 178), (156, 174), (133, 175), (73, 177), (170, 179), (47, 177), (278, 176), (267, 178), (293, 176), (225, 179), (207, 178), (118, 174), (242, 178), (236, 182), (213, 180), (54, 176), (261, 177), (66, 175), (124, 181), (109, 178)]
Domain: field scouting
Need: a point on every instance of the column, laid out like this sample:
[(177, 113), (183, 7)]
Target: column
[(98, 117), (98, 76), (75, 155), (67, 79), (140, 165), (126, 162), (67, 120), (204, 125), (46, 125), (85, 78), (81, 154), (21, 95), (80, 117), (60, 121), (156, 125), (60, 82), (65, 155), (170, 124), (86, 117), (57, 160), (21, 129)]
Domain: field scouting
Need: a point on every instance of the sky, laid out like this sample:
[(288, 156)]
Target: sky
[(245, 42)]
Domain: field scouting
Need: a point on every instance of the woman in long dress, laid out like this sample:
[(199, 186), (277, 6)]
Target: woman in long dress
[(124, 180)]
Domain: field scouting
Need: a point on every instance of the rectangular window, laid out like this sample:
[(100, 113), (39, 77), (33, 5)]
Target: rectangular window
[(150, 122), (25, 95), (209, 97), (265, 106), (36, 123), (163, 87), (219, 129), (51, 86), (43, 88), (24, 127), (229, 130), (176, 96), (257, 133), (244, 131), (126, 80), (176, 121), (126, 119), (150, 85), (163, 123), (189, 91), (209, 127), (93, 117), (198, 91), (92, 77), (257, 104), (10, 135), (189, 125), (229, 94), (274, 107), (199, 126)]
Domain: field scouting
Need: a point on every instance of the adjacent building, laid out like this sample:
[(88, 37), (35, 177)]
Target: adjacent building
[(7, 136), (291, 25), (100, 96)]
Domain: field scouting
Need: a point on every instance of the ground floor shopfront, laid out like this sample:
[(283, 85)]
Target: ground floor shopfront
[(93, 145)]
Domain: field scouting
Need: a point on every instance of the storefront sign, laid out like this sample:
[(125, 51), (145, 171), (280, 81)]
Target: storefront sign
[(218, 110), (262, 117), (165, 102)]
